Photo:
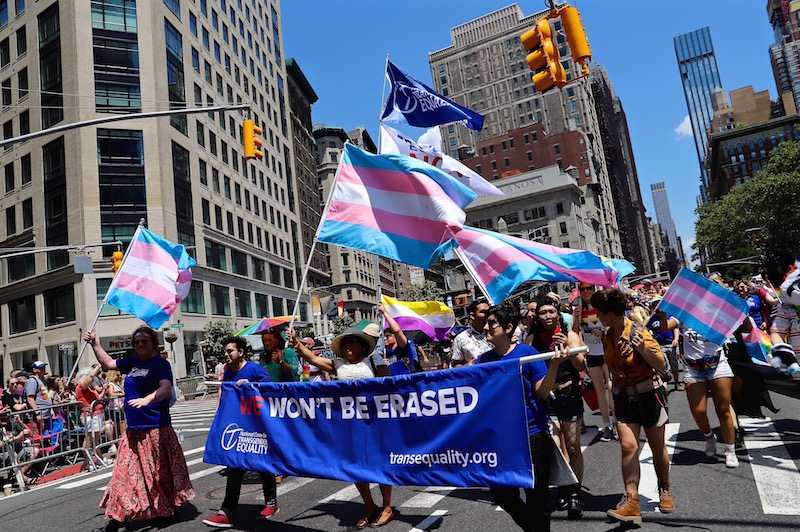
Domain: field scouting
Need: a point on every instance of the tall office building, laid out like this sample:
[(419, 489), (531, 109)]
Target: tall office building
[(485, 69), (700, 77), (184, 174), (784, 16), (631, 217), (664, 216)]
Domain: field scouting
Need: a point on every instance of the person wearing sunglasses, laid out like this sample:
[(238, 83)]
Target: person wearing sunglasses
[(538, 380), (355, 360), (150, 479), (586, 323), (756, 308), (239, 370)]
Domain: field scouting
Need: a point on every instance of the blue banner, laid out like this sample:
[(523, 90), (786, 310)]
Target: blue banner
[(461, 427), (414, 103)]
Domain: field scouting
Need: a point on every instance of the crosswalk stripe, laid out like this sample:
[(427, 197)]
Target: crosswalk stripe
[(343, 495), (773, 469), (648, 483), (428, 521), (428, 497), (588, 437), (205, 472), (296, 482)]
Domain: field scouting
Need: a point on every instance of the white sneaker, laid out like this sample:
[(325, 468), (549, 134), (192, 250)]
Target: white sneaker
[(731, 460), (112, 450), (711, 446)]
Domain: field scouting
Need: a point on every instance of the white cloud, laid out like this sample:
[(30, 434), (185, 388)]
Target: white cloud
[(684, 130), (688, 251), (432, 137)]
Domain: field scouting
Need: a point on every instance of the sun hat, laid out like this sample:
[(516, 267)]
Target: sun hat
[(336, 344)]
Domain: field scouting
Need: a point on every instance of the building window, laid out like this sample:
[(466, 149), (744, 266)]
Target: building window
[(562, 226), (174, 6), (559, 208), (22, 314), (195, 300), (242, 302), (59, 305), (215, 256), (238, 262), (206, 208), (220, 300), (27, 214), (175, 82), (52, 100), (10, 181), (11, 221), (116, 15)]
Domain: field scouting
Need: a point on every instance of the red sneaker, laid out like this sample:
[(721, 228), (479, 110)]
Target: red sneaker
[(269, 512), (220, 520)]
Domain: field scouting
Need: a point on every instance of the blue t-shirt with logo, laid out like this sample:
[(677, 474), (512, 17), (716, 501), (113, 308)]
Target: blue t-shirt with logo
[(654, 326), (142, 378), (394, 358), (754, 309), (532, 372), (251, 371)]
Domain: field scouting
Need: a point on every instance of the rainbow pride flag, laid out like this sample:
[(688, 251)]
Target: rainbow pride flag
[(433, 318)]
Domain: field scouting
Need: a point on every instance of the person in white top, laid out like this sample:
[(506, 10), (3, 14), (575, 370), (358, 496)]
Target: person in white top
[(470, 343), (353, 348), (707, 369)]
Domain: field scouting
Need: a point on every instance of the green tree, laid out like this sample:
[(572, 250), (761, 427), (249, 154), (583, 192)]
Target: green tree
[(302, 332), (427, 291), (214, 332), (767, 205), (342, 324)]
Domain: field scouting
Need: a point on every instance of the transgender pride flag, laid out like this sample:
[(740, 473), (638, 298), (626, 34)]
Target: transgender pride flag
[(502, 262), (708, 308), (153, 279), (394, 206)]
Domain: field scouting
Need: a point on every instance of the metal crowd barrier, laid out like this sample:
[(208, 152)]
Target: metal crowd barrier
[(110, 422), (194, 386), (59, 435)]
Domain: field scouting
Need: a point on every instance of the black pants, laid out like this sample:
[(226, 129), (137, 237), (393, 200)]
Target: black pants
[(233, 488), (534, 513)]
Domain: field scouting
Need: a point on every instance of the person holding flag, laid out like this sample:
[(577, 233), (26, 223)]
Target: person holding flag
[(150, 478)]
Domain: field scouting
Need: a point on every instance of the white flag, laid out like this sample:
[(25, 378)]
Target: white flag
[(392, 141)]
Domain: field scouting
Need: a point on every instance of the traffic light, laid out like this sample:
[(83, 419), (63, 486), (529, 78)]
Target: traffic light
[(543, 57), (576, 37), (252, 145), (116, 261)]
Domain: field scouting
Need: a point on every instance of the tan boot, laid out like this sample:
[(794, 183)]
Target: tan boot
[(666, 504), (627, 510)]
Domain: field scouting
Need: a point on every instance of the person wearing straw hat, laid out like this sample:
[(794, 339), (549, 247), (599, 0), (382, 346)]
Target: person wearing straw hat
[(353, 349)]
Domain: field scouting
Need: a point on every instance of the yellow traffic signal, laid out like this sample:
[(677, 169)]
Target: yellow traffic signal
[(576, 37), (543, 57), (116, 261), (252, 144)]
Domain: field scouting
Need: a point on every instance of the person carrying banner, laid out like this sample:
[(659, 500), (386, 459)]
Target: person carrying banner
[(586, 323), (471, 343), (150, 478), (565, 403), (401, 353), (353, 361), (240, 371), (640, 400), (538, 380)]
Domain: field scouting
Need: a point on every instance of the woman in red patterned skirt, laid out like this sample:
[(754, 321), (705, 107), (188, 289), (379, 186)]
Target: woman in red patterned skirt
[(150, 478)]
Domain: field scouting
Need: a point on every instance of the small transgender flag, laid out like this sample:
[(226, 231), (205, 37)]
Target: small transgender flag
[(153, 279), (708, 308)]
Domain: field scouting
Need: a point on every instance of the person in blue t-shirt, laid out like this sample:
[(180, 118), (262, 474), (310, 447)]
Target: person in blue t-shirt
[(538, 380), (239, 370), (401, 353), (144, 488)]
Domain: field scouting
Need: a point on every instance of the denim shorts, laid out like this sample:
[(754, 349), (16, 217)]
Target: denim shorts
[(722, 370)]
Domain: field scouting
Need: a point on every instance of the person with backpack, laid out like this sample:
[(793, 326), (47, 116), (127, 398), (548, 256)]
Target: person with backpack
[(640, 400)]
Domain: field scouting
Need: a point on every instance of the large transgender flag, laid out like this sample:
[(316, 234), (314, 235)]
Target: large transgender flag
[(708, 308), (394, 206), (153, 279), (433, 318), (502, 262)]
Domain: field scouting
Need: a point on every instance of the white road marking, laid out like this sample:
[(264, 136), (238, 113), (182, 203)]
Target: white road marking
[(774, 471), (648, 483), (428, 521), (428, 497)]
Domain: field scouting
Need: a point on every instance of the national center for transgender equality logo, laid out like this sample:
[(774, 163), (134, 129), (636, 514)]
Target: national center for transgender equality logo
[(236, 438)]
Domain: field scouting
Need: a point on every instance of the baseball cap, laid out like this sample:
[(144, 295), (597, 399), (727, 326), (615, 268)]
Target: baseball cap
[(39, 364)]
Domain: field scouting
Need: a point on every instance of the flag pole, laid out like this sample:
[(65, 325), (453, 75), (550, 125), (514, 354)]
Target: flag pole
[(313, 248), (383, 100), (103, 303), (473, 274)]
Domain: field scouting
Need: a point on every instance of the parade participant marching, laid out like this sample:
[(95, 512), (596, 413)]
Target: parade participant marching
[(667, 339), (401, 353), (585, 321), (538, 380), (564, 403), (640, 400), (354, 361), (150, 478), (240, 371), (471, 343)]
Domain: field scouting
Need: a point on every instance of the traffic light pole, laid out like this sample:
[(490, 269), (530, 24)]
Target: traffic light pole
[(107, 119)]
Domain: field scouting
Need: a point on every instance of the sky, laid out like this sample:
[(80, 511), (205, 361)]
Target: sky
[(342, 47)]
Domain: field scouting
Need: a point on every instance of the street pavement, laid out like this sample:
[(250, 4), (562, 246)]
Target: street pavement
[(763, 493)]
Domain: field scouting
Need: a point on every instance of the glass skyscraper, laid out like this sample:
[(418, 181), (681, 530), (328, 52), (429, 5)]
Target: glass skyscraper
[(699, 76)]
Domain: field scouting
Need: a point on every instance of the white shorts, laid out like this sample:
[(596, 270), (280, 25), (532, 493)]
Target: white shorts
[(722, 370), (94, 423)]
